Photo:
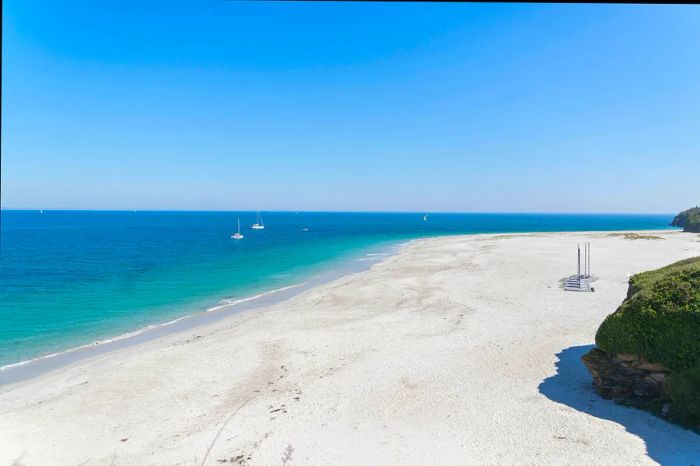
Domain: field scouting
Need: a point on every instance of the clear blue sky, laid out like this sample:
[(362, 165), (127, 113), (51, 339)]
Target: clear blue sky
[(323, 106)]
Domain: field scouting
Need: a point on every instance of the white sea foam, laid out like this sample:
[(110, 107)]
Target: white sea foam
[(232, 302), (123, 336)]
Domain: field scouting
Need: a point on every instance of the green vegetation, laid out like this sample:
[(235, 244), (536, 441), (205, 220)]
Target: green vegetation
[(689, 220), (660, 321), (683, 389)]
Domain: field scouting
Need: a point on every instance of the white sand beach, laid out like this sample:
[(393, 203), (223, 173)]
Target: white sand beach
[(457, 350)]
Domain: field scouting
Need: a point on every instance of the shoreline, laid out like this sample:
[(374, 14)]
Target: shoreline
[(30, 368)]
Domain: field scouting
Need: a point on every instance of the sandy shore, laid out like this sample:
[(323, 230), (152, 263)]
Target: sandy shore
[(458, 350)]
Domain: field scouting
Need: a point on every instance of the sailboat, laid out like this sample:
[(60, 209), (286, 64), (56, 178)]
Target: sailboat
[(237, 235), (259, 225)]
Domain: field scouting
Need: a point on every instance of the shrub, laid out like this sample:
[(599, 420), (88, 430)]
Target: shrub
[(660, 321), (683, 389)]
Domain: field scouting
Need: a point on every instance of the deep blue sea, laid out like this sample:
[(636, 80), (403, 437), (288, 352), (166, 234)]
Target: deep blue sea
[(69, 278)]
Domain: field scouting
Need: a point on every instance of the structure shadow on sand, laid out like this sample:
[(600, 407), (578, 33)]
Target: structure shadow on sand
[(665, 442)]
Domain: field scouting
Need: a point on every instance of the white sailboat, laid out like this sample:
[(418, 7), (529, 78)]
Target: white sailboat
[(259, 225), (237, 235)]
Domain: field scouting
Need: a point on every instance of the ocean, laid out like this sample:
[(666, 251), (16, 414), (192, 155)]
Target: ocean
[(70, 278)]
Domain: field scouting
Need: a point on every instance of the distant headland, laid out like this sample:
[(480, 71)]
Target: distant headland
[(689, 220)]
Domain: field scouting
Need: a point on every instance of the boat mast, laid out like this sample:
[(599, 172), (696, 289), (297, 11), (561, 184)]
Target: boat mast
[(589, 259), (578, 269)]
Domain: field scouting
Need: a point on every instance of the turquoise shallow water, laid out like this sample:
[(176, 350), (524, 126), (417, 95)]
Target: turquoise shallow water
[(68, 278)]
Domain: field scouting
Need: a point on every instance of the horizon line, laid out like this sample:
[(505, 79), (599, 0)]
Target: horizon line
[(337, 211)]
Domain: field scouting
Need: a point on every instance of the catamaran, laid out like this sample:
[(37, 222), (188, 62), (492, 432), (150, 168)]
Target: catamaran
[(237, 235), (259, 225)]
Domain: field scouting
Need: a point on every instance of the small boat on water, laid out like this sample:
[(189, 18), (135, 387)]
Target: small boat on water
[(425, 217), (259, 225), (238, 235)]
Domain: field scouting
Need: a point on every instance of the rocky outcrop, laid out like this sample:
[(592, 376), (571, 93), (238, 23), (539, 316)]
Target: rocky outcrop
[(627, 378), (689, 220), (648, 352)]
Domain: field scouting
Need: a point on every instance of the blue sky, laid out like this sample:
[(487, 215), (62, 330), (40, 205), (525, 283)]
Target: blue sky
[(350, 106)]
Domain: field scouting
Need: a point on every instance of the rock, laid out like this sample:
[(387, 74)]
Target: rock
[(627, 357), (652, 366), (658, 377), (665, 409), (623, 380)]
